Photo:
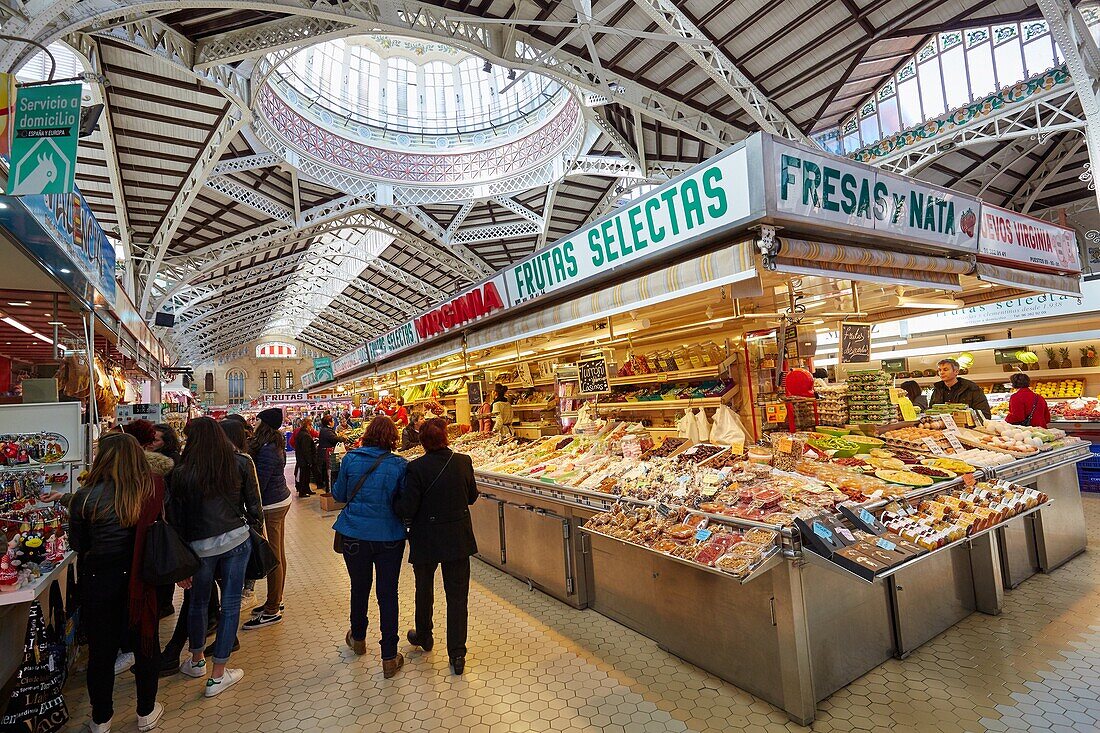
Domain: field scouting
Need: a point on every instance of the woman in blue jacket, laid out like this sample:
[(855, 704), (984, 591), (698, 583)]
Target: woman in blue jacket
[(371, 537)]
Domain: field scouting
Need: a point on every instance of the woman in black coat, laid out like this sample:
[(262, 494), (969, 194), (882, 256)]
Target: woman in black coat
[(435, 503), (306, 466)]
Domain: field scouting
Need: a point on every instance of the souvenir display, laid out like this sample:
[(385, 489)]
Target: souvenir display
[(33, 533)]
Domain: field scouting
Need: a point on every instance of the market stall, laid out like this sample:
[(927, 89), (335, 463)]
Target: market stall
[(849, 530)]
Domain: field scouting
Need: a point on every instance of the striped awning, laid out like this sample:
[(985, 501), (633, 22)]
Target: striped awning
[(1041, 282), (862, 263)]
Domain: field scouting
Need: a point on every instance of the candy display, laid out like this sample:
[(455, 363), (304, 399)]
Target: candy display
[(33, 532), (685, 536), (916, 439)]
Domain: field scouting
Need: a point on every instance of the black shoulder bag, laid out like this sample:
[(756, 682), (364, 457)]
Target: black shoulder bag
[(262, 561), (168, 559), (337, 538), (1027, 420)]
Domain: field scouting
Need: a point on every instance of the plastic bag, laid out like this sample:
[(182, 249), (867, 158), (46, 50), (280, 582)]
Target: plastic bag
[(728, 429), (702, 427)]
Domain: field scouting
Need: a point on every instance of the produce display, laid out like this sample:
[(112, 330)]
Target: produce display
[(1067, 388), (711, 388), (1085, 409), (1008, 440), (869, 397), (917, 439)]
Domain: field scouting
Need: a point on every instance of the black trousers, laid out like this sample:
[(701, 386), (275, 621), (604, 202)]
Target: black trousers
[(377, 563), (105, 597), (456, 587), (178, 641)]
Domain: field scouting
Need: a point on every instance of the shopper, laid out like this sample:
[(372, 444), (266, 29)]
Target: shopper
[(371, 537), (1024, 406), (327, 440), (954, 390), (502, 411), (305, 458), (214, 502), (913, 392), (167, 442), (118, 500), (269, 454), (435, 504), (410, 436)]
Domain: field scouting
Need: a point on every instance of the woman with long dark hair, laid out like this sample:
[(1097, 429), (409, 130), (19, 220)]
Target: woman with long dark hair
[(306, 461), (167, 442), (435, 504), (268, 451), (371, 537), (214, 501), (109, 515)]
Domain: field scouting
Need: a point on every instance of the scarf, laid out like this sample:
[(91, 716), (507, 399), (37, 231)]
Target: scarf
[(144, 607)]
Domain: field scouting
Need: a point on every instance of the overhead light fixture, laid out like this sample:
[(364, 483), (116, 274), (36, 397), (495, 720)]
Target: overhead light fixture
[(3, 205), (40, 337), (925, 302), (66, 270), (55, 323), (487, 67), (16, 324), (19, 303), (511, 74)]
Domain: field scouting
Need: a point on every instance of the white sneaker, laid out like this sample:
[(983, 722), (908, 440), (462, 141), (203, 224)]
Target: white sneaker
[(99, 727), (217, 686), (191, 669), (123, 662), (150, 721)]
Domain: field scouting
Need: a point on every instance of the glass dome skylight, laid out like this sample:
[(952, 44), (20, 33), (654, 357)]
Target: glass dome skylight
[(407, 94)]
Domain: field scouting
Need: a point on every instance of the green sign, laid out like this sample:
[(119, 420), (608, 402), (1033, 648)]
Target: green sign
[(44, 141), (322, 370), (712, 197), (397, 339)]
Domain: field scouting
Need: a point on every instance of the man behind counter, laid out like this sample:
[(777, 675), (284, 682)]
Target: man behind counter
[(953, 389)]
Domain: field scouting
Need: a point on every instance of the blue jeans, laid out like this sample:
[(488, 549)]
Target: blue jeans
[(366, 559), (230, 567)]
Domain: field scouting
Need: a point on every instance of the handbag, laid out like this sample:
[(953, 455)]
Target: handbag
[(337, 538), (1027, 420), (168, 559), (262, 561), (408, 523), (36, 702)]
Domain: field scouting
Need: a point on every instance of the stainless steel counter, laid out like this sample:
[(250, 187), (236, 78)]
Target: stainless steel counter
[(800, 628)]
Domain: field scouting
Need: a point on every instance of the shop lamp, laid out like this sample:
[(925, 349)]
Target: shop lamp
[(931, 303), (16, 324), (40, 337)]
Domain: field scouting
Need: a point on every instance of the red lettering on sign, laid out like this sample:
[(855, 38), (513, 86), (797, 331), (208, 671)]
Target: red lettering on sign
[(463, 309)]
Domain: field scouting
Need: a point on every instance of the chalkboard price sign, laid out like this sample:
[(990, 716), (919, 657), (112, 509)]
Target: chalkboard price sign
[(855, 343), (593, 376), (473, 391)]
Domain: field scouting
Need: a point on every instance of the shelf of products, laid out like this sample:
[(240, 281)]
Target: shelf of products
[(1034, 374)]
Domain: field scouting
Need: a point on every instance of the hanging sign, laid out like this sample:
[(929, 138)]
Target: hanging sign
[(44, 140), (592, 373), (1022, 242), (895, 366), (399, 338), (7, 112), (855, 343), (322, 369), (711, 197), (523, 375), (468, 307), (351, 361), (474, 392), (69, 222), (821, 189), (308, 380)]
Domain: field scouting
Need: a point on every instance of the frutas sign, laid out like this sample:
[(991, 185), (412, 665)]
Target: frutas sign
[(713, 196), (821, 189), (1019, 241), (481, 301)]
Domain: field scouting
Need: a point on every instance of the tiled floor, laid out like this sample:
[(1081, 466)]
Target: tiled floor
[(537, 665)]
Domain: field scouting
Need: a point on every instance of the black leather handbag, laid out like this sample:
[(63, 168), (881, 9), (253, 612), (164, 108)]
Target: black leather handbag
[(168, 559)]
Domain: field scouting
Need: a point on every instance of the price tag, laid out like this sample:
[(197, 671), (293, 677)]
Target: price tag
[(822, 531), (846, 534), (934, 447), (886, 544), (709, 491), (866, 517), (968, 480), (953, 439), (702, 535), (949, 422), (775, 412)]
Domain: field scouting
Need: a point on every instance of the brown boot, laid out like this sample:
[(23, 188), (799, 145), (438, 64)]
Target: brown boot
[(390, 666), (359, 647)]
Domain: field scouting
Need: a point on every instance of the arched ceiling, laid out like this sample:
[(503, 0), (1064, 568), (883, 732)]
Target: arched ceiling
[(219, 223)]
